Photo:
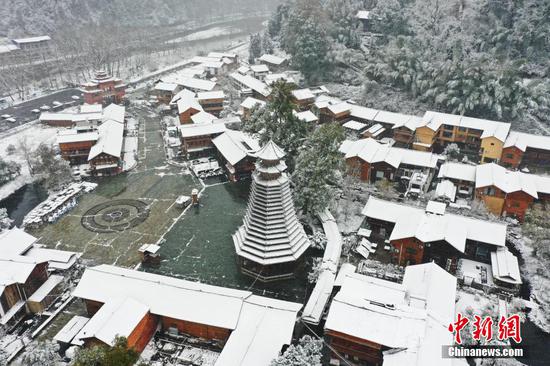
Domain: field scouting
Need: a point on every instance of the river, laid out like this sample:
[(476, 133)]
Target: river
[(22, 201)]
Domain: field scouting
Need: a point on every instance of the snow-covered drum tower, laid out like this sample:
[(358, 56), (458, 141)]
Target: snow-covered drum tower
[(271, 241)]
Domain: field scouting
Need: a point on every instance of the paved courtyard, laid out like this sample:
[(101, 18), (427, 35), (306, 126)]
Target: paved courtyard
[(153, 182)]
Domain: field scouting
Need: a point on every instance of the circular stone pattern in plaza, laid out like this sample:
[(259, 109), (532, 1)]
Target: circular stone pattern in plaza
[(115, 216)]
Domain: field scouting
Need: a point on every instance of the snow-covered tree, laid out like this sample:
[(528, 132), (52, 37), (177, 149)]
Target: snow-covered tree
[(306, 353), (8, 170), (5, 221), (267, 44), (313, 274), (255, 48), (277, 121), (52, 169), (305, 38), (41, 354), (118, 355), (452, 151), (10, 150), (344, 24), (318, 169), (3, 357)]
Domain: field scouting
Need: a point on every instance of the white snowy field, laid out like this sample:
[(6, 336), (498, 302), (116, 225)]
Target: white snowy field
[(33, 135)]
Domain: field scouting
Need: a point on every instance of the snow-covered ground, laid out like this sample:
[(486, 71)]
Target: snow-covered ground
[(205, 34), (33, 135)]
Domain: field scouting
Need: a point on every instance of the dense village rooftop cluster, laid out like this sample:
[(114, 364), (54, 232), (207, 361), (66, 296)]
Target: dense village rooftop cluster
[(25, 283), (367, 319)]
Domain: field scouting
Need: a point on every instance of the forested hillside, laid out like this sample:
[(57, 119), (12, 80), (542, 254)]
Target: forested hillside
[(480, 58), (30, 17)]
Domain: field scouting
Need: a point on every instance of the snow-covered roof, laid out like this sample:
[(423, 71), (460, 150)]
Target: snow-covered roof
[(319, 297), (194, 130), (116, 317), (186, 102), (363, 14), (397, 119), (307, 116), (446, 189), (323, 101), (16, 270), (372, 151), (171, 87), (524, 140), (222, 55), (32, 39), (91, 108), (363, 113), (339, 108), (48, 116), (507, 181), (322, 291), (217, 94), (57, 259), (505, 266), (354, 125), (213, 64), (415, 222), (259, 68), (46, 288), (203, 59), (250, 102), (458, 171), (114, 112), (252, 83), (236, 145), (197, 84), (6, 48), (260, 326), (395, 315), (435, 207), (272, 59), (265, 325), (303, 94), (17, 245), (111, 137), (345, 270), (498, 130), (203, 117), (69, 136), (71, 329), (271, 79), (15, 242), (243, 69), (270, 152), (375, 130), (184, 93), (164, 296)]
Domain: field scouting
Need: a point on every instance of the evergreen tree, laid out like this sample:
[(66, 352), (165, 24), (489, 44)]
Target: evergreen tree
[(318, 169), (41, 354), (306, 353), (344, 24), (5, 221), (278, 122), (276, 21), (255, 49), (8, 170), (118, 355), (51, 168), (267, 44), (304, 36)]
